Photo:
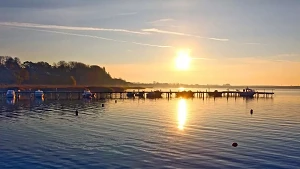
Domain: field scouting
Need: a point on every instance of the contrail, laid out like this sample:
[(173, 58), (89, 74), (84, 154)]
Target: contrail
[(34, 25), (181, 34), (95, 37)]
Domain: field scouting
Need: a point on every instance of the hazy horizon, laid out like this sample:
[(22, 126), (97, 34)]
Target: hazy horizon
[(235, 42)]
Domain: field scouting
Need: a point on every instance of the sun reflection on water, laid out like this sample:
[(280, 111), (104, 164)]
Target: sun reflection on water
[(182, 113)]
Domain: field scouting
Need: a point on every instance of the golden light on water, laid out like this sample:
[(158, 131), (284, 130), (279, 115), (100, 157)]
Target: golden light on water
[(183, 60), (181, 114)]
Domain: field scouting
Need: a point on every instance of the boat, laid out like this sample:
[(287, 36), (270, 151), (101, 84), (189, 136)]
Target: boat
[(87, 94), (130, 94), (10, 94), (215, 93), (154, 95), (185, 94), (247, 92), (10, 101), (140, 94), (39, 94)]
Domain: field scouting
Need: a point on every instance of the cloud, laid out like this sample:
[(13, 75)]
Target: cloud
[(181, 34), (47, 4), (34, 25), (286, 57), (162, 20), (200, 58), (252, 43), (97, 37), (128, 13)]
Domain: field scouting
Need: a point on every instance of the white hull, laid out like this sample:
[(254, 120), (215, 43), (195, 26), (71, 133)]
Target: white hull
[(87, 94), (39, 94), (10, 94)]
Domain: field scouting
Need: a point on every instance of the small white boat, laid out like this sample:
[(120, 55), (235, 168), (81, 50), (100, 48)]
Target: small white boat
[(10, 101), (87, 94), (39, 94), (247, 92), (10, 94)]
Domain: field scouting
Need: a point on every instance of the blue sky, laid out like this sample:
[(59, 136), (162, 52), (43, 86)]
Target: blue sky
[(142, 33)]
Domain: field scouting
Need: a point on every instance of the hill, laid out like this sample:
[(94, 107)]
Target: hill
[(12, 71)]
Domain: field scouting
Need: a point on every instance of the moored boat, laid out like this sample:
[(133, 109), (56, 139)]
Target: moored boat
[(140, 94), (39, 94), (130, 94), (185, 94), (87, 94), (215, 93), (10, 94), (154, 95), (247, 92)]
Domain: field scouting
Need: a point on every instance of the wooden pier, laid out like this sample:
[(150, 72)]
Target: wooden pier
[(56, 95)]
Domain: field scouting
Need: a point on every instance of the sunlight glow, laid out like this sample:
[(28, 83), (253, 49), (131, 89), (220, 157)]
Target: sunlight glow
[(182, 113), (183, 60), (181, 89)]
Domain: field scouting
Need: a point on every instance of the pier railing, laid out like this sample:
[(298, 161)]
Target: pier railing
[(127, 94)]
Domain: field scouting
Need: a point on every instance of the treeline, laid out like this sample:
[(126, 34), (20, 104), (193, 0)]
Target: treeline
[(12, 71)]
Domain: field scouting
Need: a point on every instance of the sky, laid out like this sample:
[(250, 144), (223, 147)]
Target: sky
[(240, 42)]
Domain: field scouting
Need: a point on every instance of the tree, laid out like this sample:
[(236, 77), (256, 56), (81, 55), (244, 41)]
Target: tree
[(60, 73)]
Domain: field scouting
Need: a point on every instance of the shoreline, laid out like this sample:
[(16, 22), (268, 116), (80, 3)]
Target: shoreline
[(68, 88)]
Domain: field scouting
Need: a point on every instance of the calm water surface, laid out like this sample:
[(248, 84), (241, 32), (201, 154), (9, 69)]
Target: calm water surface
[(133, 133)]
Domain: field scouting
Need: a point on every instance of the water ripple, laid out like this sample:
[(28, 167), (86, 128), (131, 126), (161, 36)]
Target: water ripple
[(151, 134)]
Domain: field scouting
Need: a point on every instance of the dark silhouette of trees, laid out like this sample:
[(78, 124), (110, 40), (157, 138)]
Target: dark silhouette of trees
[(12, 71)]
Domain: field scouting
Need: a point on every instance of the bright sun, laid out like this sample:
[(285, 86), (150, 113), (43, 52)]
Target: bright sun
[(183, 60)]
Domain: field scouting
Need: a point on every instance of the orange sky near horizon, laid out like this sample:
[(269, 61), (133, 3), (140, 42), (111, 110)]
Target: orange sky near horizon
[(239, 71)]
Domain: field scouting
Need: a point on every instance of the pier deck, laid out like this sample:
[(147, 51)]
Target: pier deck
[(123, 94)]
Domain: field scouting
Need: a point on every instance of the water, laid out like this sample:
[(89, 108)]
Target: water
[(176, 133)]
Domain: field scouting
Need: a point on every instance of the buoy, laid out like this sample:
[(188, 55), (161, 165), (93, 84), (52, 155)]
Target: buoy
[(102, 105), (251, 111), (76, 112), (234, 144)]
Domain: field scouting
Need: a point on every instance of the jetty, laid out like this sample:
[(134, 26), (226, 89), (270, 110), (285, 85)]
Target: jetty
[(132, 94)]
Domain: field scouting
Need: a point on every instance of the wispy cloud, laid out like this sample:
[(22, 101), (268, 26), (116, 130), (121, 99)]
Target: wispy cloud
[(201, 58), (287, 57), (162, 20), (96, 37), (182, 34), (166, 22), (253, 43), (59, 27), (128, 13)]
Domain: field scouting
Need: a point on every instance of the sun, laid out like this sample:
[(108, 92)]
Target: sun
[(183, 60)]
